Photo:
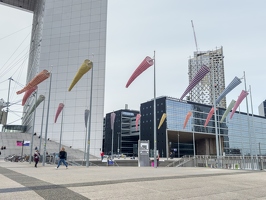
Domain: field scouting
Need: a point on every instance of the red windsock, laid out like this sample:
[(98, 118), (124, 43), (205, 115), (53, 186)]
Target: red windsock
[(59, 109), (137, 121), (187, 118), (242, 95), (27, 94), (209, 116), (146, 63)]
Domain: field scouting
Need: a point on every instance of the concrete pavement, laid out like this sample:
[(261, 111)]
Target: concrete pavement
[(24, 181)]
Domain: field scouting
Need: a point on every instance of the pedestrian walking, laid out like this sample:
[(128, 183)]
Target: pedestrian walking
[(36, 157), (62, 158), (102, 154)]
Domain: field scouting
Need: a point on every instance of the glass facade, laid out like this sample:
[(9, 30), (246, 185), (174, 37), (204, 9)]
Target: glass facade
[(242, 135)]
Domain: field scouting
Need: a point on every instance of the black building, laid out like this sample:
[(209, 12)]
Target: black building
[(237, 136), (125, 133)]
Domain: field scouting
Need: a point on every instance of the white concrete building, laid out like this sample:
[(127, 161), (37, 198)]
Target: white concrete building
[(64, 34)]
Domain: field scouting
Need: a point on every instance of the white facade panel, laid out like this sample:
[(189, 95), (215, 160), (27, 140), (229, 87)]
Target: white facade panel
[(68, 33)]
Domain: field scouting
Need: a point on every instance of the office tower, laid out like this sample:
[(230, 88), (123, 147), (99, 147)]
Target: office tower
[(203, 92), (64, 34)]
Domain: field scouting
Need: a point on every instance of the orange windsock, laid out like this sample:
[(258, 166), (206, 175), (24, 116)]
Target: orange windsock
[(35, 81), (187, 118), (209, 116)]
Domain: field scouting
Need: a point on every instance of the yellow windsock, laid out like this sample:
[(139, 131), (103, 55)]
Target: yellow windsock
[(84, 68), (162, 120)]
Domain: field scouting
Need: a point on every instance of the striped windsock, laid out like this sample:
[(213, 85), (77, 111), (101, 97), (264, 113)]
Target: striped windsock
[(197, 78), (235, 82)]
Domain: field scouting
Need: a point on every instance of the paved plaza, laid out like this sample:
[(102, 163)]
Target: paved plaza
[(24, 181)]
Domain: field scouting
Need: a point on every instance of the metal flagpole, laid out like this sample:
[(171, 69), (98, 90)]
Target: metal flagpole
[(154, 116), (61, 131), (89, 129), (8, 103), (254, 133), (250, 143), (85, 138), (33, 124), (47, 117), (40, 145), (242, 148), (112, 117)]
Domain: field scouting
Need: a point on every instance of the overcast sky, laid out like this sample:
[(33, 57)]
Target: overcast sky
[(137, 28)]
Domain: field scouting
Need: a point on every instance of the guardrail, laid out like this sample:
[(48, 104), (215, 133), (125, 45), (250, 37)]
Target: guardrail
[(225, 162)]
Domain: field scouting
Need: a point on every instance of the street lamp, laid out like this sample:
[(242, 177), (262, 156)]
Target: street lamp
[(178, 146)]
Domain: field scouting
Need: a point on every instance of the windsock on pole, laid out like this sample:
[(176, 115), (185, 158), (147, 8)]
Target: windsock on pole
[(43, 75), (86, 116), (137, 121), (39, 100), (84, 68), (229, 108), (198, 77), (145, 64), (209, 116), (242, 95), (162, 120), (28, 93), (187, 118), (59, 109), (235, 82)]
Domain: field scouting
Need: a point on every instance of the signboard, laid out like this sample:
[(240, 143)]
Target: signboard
[(129, 114)]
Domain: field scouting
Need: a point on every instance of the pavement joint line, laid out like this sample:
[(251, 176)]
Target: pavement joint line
[(97, 183), (43, 189)]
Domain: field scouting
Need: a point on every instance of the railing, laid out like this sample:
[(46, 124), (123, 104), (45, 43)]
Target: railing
[(225, 162)]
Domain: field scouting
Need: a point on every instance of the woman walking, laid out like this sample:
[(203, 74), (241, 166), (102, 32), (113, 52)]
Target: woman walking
[(36, 157), (62, 156)]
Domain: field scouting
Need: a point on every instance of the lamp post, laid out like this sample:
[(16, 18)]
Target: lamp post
[(112, 116), (178, 152), (31, 145), (61, 130), (40, 145), (47, 117), (89, 129)]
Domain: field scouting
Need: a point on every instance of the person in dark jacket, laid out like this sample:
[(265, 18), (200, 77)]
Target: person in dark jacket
[(36, 157), (62, 156)]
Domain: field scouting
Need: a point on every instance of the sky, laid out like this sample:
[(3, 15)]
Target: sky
[(137, 28)]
